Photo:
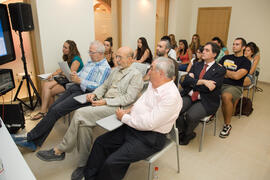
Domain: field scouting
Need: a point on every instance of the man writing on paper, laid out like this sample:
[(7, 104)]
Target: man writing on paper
[(145, 127)]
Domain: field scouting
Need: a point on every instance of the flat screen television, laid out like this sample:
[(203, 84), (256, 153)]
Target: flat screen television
[(7, 52)]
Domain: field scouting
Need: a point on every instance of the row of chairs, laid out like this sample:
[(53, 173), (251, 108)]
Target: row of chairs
[(173, 136), (173, 139)]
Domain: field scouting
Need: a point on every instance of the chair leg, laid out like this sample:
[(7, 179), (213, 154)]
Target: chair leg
[(178, 158), (150, 172), (241, 104), (215, 125), (202, 136), (254, 89), (248, 93)]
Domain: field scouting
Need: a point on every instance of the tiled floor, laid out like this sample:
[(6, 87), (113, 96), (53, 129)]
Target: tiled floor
[(244, 155)]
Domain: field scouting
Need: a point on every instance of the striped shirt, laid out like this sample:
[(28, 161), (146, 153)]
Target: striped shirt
[(94, 74)]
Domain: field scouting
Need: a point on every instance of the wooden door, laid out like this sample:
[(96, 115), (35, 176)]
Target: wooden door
[(213, 21), (162, 13)]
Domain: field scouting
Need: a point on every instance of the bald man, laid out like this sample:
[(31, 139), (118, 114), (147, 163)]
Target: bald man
[(119, 90)]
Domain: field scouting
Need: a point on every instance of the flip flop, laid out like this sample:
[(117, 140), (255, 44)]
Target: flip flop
[(38, 116)]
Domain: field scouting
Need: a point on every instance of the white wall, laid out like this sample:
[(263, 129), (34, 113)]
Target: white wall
[(60, 20), (180, 19), (249, 19), (138, 19)]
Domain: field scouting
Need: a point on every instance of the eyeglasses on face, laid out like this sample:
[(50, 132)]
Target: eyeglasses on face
[(121, 57), (92, 52)]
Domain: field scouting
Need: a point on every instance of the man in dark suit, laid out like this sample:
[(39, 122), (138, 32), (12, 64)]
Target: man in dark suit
[(201, 92)]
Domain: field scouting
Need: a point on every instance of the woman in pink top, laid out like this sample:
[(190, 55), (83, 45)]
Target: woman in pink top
[(183, 55)]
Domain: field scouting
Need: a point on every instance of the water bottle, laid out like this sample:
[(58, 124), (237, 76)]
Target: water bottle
[(2, 171), (156, 173)]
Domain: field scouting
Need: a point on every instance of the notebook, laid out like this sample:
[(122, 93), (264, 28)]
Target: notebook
[(109, 123), (81, 98)]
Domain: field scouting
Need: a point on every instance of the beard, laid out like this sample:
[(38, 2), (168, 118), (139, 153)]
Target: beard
[(160, 54)]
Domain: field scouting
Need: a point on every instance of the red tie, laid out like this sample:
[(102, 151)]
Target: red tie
[(195, 94)]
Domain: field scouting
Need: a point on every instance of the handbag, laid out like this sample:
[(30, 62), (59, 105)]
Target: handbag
[(62, 80), (246, 107)]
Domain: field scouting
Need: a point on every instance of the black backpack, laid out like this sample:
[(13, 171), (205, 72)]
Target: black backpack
[(246, 107)]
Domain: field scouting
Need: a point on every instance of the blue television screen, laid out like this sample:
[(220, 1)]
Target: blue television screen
[(3, 49), (7, 52)]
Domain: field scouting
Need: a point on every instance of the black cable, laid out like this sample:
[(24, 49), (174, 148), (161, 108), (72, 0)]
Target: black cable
[(11, 95), (3, 109)]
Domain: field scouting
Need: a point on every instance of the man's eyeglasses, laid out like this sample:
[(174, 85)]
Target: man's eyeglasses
[(91, 52), (121, 57)]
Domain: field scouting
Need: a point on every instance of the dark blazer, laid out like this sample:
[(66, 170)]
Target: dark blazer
[(210, 99)]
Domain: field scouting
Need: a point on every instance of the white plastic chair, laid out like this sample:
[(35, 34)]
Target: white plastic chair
[(110, 123), (172, 140), (204, 121)]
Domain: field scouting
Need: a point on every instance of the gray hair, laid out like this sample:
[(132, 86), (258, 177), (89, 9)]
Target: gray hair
[(99, 45), (168, 44), (130, 54), (166, 65)]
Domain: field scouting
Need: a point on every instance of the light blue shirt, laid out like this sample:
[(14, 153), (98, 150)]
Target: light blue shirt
[(94, 74)]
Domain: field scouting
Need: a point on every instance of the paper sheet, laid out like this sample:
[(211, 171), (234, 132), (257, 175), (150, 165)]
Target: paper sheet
[(44, 76), (65, 69)]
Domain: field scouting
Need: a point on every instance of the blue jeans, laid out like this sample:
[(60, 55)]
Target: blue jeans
[(182, 67), (62, 106)]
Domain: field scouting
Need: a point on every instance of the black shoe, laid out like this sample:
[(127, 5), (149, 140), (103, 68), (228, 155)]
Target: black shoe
[(50, 155), (225, 131), (78, 173), (181, 136), (187, 138)]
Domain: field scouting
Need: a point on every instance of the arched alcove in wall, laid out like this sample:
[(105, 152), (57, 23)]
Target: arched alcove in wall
[(108, 21), (103, 20)]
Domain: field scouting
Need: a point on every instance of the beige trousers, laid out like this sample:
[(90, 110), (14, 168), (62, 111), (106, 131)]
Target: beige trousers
[(80, 132)]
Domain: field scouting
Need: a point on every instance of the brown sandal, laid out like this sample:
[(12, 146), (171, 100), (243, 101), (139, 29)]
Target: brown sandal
[(38, 116)]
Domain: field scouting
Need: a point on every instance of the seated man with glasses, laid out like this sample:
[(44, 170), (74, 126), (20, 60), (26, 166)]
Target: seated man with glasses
[(121, 89), (87, 80)]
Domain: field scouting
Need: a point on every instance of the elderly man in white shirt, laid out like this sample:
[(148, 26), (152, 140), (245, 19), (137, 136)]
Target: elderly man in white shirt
[(145, 127)]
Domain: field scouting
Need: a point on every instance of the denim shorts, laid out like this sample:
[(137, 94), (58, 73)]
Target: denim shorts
[(251, 77)]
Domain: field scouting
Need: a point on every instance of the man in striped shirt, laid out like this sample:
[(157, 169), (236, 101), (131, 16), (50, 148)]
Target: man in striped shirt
[(93, 74)]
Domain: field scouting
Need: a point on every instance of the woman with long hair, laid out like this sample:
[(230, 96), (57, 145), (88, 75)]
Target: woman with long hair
[(251, 53), (198, 58), (143, 53), (51, 88), (220, 43), (173, 42), (194, 45), (183, 55), (109, 55)]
